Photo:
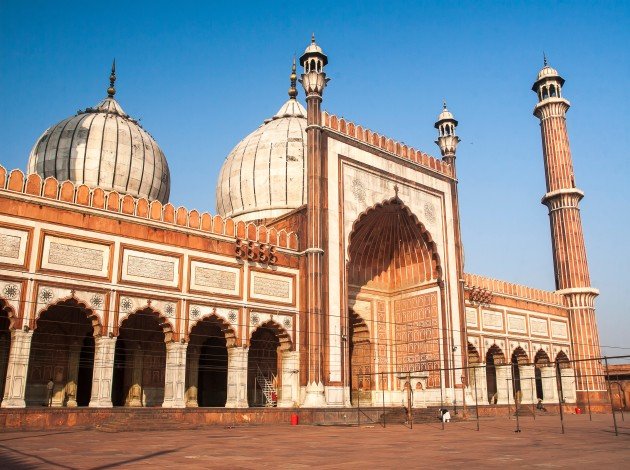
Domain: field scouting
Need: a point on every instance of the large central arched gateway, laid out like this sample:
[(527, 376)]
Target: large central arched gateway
[(394, 300)]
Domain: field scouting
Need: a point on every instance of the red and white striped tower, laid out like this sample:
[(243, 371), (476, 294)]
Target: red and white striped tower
[(314, 81), (569, 252)]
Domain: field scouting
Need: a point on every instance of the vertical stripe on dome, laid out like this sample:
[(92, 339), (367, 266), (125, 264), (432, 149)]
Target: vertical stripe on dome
[(72, 151), (49, 157), (59, 174), (122, 165), (85, 179), (157, 165), (116, 154), (35, 157), (253, 172), (144, 154), (85, 146), (105, 160), (149, 165)]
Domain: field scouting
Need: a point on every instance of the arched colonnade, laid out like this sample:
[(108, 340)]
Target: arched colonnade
[(64, 359)]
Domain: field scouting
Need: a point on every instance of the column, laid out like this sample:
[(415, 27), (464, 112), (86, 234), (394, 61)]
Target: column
[(237, 378), (504, 384), (103, 373), (4, 353), (289, 394), (192, 376), (528, 383), (479, 382), (74, 353), (549, 385), (134, 397), (175, 380), (567, 376), (15, 384)]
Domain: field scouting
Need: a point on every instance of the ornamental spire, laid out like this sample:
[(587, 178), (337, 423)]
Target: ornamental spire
[(111, 91), (293, 89), (545, 59)]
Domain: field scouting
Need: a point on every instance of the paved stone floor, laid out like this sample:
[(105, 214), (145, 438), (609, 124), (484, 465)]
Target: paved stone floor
[(541, 444)]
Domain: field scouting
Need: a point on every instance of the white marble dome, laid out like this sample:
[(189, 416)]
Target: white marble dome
[(103, 147), (263, 177)]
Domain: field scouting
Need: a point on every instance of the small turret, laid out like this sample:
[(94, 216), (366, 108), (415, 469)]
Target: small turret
[(447, 138)]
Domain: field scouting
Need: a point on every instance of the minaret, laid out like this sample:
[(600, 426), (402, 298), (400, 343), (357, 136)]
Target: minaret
[(314, 81), (447, 139), (569, 252)]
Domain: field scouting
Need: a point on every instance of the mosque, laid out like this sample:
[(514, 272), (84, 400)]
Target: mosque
[(331, 272)]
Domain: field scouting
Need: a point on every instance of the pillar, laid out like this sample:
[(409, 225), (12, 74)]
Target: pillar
[(74, 355), (135, 395), (549, 384), (4, 353), (479, 382), (289, 394), (17, 369), (528, 383), (237, 378), (504, 384), (567, 376), (102, 377), (192, 376), (175, 380)]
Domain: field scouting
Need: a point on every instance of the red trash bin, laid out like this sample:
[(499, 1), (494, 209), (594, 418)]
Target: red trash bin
[(578, 411), (294, 419)]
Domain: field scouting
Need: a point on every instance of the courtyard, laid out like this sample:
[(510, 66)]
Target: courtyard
[(585, 444)]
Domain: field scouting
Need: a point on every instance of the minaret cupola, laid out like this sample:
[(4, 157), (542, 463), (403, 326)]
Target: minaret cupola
[(548, 85), (447, 139), (314, 78)]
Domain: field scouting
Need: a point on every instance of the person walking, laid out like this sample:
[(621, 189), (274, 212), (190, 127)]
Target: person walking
[(49, 386)]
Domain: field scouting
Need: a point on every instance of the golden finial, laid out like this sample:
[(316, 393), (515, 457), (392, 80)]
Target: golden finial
[(293, 89), (111, 91)]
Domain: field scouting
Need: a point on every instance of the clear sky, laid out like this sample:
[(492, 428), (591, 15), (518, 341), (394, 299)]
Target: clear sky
[(202, 75)]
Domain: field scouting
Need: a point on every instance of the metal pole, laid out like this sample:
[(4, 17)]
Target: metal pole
[(532, 385), (560, 394), (507, 386), (612, 408), (441, 400), (588, 399), (358, 401), (476, 402), (516, 403), (409, 399), (383, 395)]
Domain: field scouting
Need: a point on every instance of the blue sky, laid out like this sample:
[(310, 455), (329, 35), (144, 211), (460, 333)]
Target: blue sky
[(202, 75)]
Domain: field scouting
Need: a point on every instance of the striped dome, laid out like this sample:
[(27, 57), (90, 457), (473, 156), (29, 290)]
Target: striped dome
[(103, 147), (263, 177)]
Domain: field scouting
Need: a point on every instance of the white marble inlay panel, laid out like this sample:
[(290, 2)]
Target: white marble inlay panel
[(266, 286), (471, 317), (492, 320), (538, 326), (215, 278), (12, 246), (559, 329), (82, 257), (150, 268), (517, 324)]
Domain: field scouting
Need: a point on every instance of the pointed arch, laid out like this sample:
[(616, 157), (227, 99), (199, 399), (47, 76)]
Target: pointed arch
[(226, 328)]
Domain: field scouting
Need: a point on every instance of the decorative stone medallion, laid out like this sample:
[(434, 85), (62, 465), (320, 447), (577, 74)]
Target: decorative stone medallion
[(358, 190), (232, 316), (46, 295), (255, 319), (287, 323), (429, 212), (195, 312), (96, 301), (11, 291), (126, 304), (169, 310)]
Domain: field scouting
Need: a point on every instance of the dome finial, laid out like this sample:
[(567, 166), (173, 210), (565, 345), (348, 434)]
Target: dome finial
[(293, 89), (443, 104), (545, 59), (111, 91)]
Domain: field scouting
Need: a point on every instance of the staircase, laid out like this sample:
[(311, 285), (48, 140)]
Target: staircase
[(420, 415), (265, 382)]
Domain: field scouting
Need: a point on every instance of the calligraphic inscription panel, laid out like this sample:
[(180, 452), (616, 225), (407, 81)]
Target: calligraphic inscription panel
[(417, 339), (517, 324), (215, 278), (12, 246), (559, 329), (80, 256), (150, 268), (274, 287), (538, 326)]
